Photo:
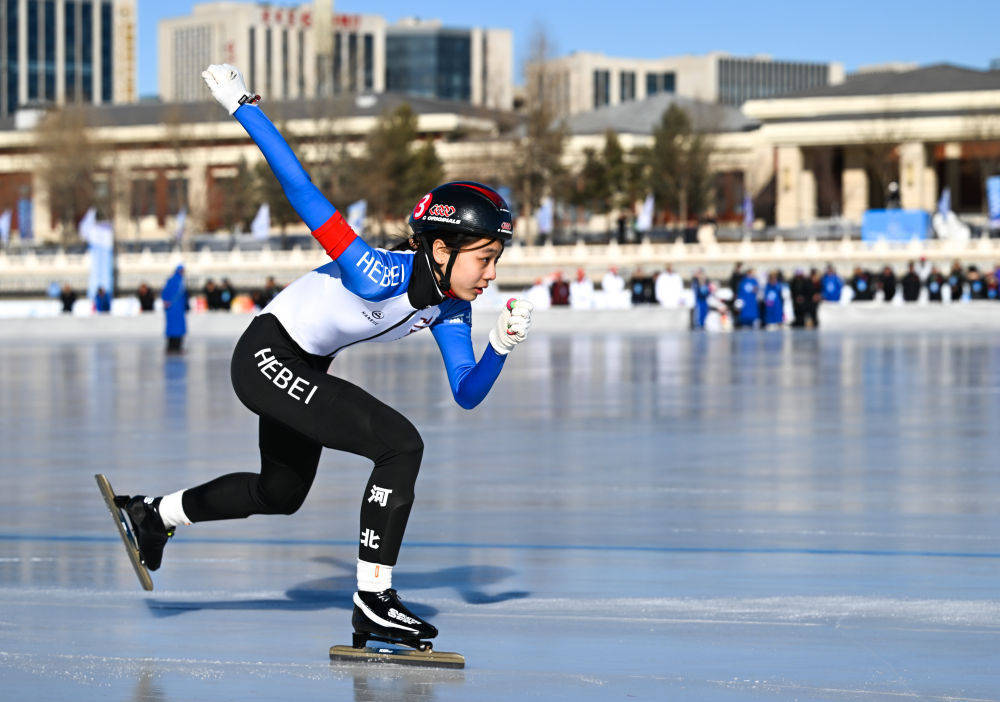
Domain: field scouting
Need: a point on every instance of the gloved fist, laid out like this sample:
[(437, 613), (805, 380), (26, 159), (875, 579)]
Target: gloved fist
[(512, 326), (228, 87)]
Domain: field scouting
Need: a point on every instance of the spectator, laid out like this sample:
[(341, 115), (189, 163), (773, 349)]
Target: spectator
[(581, 291), (271, 288), (832, 284), (641, 286), (669, 288), (887, 283), (924, 269), (68, 298), (559, 291), (747, 301), (992, 287), (538, 295), (213, 295), (911, 284), (147, 301), (935, 285), (801, 290), (977, 285), (175, 303), (228, 294), (815, 298), (861, 285), (102, 301), (773, 303), (701, 290), (956, 281)]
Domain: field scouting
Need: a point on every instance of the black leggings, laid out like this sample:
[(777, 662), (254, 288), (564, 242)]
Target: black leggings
[(302, 409)]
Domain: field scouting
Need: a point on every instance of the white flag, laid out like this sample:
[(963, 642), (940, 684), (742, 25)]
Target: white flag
[(181, 222), (86, 226), (644, 222), (261, 225), (544, 216), (5, 227), (356, 216)]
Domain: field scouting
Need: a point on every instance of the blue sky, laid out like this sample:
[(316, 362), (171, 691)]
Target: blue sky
[(852, 31)]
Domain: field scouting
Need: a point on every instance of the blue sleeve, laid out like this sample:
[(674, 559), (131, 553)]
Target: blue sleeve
[(308, 201), (470, 381), (370, 273)]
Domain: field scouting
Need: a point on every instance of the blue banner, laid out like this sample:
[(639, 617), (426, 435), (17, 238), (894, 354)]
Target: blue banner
[(895, 225), (993, 197), (24, 219)]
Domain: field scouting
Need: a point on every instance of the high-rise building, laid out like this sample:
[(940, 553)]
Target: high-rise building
[(283, 56), (58, 51), (275, 47), (586, 81), (424, 58)]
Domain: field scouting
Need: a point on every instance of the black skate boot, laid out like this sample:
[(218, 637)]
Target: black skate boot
[(147, 527), (380, 616)]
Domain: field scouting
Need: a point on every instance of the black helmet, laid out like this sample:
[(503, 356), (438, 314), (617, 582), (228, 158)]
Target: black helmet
[(463, 207)]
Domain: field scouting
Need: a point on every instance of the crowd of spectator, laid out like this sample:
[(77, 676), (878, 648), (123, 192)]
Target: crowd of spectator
[(752, 298)]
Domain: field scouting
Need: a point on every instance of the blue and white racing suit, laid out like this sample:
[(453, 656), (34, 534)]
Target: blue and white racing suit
[(279, 368)]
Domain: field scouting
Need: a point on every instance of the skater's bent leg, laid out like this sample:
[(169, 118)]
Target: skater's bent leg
[(288, 465)]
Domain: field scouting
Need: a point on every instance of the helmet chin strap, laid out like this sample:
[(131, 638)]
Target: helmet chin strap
[(443, 278)]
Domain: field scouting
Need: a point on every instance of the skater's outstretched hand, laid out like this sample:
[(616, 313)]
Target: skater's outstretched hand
[(512, 326), (228, 87)]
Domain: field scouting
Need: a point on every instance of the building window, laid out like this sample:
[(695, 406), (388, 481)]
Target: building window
[(267, 62), (50, 50), (253, 58), (33, 66), (69, 37), (12, 65), (107, 53), (284, 63), (337, 62), (300, 62), (87, 50), (602, 94), (369, 59), (352, 62), (669, 82), (626, 86), (660, 83)]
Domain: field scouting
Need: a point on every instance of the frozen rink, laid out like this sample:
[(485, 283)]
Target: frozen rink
[(629, 515)]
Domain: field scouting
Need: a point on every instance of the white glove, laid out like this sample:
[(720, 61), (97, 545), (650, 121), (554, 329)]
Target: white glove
[(228, 87), (512, 326)]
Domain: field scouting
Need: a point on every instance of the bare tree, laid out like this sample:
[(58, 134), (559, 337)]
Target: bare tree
[(69, 163), (538, 171)]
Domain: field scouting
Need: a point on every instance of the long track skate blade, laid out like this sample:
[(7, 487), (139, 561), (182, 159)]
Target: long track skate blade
[(399, 656), (125, 531)]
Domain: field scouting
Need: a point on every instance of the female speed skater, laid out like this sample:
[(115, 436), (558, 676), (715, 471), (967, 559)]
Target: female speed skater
[(279, 366)]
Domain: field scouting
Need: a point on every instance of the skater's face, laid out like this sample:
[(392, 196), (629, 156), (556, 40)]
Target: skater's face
[(475, 266)]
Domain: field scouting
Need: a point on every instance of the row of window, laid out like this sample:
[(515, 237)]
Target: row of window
[(77, 38), (656, 82), (745, 79)]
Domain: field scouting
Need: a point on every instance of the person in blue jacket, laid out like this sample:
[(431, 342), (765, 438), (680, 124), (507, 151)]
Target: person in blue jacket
[(702, 291), (175, 305), (279, 366), (102, 301), (832, 284), (749, 290), (774, 313)]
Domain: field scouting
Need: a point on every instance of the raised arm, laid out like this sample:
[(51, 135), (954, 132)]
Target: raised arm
[(370, 273)]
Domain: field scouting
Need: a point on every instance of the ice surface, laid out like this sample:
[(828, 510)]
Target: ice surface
[(761, 516)]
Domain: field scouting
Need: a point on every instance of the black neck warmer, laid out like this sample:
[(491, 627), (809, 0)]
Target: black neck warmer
[(423, 290)]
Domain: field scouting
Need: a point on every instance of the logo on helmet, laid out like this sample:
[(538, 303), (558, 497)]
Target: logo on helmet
[(441, 210), (505, 226)]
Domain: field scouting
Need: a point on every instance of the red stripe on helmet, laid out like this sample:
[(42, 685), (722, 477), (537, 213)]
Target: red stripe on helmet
[(492, 195)]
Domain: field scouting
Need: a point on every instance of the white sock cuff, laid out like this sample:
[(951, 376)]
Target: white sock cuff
[(373, 577), (172, 510)]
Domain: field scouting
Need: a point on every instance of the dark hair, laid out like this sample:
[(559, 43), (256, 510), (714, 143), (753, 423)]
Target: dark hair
[(454, 241)]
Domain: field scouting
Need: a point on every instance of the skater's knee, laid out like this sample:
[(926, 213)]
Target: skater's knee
[(280, 496), (403, 438)]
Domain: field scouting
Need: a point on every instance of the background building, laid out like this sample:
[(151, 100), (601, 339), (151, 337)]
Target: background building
[(585, 81), (274, 46), (283, 56), (58, 51), (472, 65)]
